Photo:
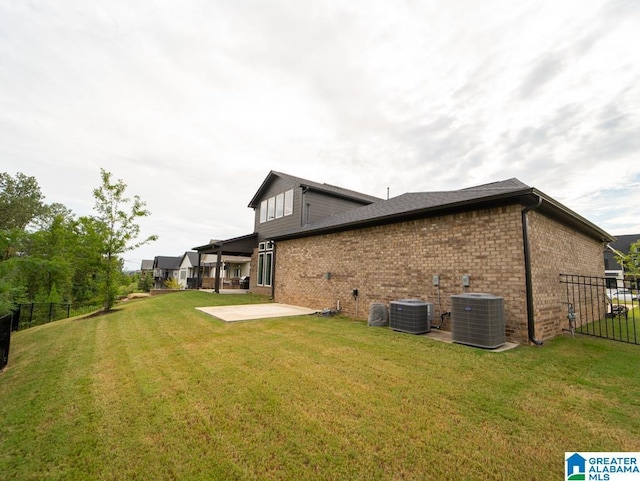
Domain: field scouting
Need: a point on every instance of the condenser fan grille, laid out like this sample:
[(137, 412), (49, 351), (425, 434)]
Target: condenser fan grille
[(410, 315), (478, 320)]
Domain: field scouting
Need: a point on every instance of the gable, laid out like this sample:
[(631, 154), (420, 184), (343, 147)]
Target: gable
[(284, 203), (286, 181), (146, 265), (189, 259)]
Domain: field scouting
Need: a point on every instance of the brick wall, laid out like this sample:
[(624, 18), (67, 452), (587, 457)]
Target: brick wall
[(398, 261), (557, 249)]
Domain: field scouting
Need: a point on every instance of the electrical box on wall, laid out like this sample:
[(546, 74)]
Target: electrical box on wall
[(436, 280), (465, 280)]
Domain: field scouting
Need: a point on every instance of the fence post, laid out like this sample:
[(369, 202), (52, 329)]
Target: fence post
[(5, 339), (68, 310)]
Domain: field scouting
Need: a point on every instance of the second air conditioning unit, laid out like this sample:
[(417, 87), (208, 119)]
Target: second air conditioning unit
[(410, 315)]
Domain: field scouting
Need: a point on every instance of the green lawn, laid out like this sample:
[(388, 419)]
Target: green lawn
[(159, 390), (621, 328)]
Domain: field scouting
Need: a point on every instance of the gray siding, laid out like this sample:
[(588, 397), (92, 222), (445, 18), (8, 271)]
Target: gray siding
[(320, 205), (270, 228)]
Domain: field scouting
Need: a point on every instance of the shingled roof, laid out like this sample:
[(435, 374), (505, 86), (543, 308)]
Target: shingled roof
[(167, 262), (424, 204), (325, 188)]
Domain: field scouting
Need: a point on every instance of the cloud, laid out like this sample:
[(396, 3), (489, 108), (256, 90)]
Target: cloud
[(544, 71), (193, 104)]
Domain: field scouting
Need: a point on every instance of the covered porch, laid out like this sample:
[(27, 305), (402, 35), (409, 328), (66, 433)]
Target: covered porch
[(240, 249)]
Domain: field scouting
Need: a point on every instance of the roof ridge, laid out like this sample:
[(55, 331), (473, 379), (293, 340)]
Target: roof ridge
[(503, 184)]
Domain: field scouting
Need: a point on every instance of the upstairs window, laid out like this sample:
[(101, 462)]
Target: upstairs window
[(263, 211), (278, 206), (288, 202), (271, 208)]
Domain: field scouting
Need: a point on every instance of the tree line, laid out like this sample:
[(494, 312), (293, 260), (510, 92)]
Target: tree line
[(48, 254)]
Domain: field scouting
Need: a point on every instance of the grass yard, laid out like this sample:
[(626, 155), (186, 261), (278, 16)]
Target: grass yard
[(159, 390), (620, 328)]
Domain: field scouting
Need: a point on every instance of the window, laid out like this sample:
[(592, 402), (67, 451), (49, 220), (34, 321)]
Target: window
[(278, 206), (271, 208), (288, 202), (183, 273), (265, 263), (263, 211), (267, 268), (261, 269)]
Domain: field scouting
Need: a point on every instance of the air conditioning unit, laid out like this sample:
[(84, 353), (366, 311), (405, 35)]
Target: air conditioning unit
[(410, 315), (478, 320)]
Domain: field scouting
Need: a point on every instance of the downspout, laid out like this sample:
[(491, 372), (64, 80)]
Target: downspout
[(304, 190), (527, 272)]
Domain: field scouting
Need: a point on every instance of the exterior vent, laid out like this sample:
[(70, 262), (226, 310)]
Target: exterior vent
[(410, 315), (478, 320)]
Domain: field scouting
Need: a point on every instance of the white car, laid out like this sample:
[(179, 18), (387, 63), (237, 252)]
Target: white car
[(624, 295)]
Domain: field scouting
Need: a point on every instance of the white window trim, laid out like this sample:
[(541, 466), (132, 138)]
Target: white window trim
[(265, 259), (288, 202), (277, 206), (271, 208)]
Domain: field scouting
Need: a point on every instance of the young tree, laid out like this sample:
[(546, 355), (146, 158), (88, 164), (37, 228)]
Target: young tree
[(115, 230)]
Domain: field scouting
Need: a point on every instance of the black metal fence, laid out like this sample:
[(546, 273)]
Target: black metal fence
[(35, 314), (597, 306), (5, 338)]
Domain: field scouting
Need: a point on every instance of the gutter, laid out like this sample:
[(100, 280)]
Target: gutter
[(527, 271)]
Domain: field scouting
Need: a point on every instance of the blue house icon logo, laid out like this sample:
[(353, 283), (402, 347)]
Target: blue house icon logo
[(576, 468)]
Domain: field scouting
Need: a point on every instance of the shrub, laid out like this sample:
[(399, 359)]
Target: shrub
[(172, 283)]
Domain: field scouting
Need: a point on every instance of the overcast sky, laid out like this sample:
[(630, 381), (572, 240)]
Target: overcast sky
[(192, 103)]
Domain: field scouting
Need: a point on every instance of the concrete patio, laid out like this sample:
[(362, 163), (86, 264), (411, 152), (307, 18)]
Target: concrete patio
[(255, 311)]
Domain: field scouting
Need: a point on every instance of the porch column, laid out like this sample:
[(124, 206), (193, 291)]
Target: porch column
[(198, 274), (218, 262)]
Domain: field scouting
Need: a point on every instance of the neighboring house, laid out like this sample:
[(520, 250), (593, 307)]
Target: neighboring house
[(165, 268), (233, 269), (612, 268), (188, 270), (321, 246), (146, 268)]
